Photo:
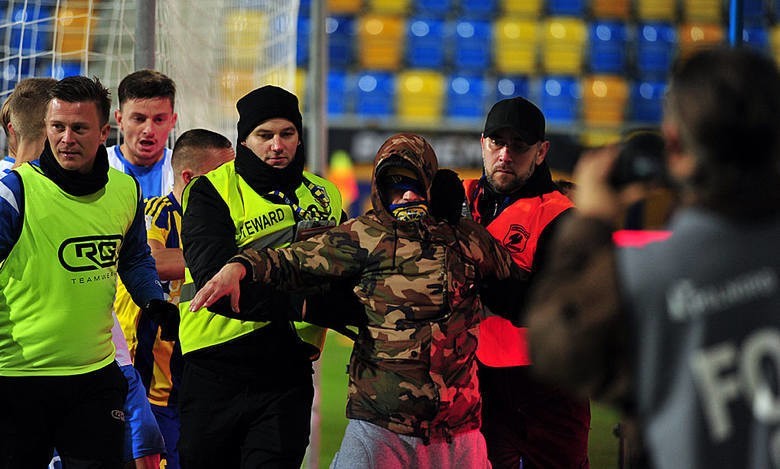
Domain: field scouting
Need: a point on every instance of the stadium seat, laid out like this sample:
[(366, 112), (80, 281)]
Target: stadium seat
[(478, 9), (511, 86), (591, 138), (563, 44), (647, 101), (420, 96), (774, 42), (560, 96), (515, 42), (341, 35), (704, 11), (398, 7), (756, 36), (339, 93), (656, 10), (35, 35), (604, 100), (234, 84), (243, 35), (302, 41), (425, 42), (694, 36), (75, 30), (61, 69), (754, 12), (374, 95), (434, 8), (381, 41), (607, 47), (522, 8), (342, 7), (466, 97), (566, 7), (656, 43), (611, 9), (471, 46)]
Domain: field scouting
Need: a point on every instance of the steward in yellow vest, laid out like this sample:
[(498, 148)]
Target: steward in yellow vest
[(254, 364)]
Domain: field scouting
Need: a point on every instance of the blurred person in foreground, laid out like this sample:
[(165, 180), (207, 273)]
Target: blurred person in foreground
[(682, 334), (417, 267), (526, 423)]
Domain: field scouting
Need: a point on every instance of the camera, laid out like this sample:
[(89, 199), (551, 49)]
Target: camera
[(642, 158)]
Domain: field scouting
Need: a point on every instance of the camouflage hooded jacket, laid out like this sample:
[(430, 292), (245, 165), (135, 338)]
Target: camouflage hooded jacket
[(413, 367)]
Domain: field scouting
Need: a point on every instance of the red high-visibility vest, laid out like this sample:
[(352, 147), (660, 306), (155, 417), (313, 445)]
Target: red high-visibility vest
[(518, 228)]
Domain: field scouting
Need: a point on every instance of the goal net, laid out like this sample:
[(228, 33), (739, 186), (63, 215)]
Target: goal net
[(215, 50)]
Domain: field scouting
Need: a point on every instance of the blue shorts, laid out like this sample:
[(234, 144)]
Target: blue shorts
[(170, 426), (142, 435)]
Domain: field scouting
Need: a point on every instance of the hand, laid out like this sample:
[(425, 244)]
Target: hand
[(166, 315), (225, 282)]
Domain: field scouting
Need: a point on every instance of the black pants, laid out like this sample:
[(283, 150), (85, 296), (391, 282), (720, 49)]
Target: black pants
[(523, 419), (80, 415), (230, 423)]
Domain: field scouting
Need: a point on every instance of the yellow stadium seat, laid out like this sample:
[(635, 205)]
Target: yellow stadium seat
[(75, 30), (340, 7), (563, 44), (515, 42), (300, 86), (604, 100), (400, 7), (654, 10), (381, 41), (617, 9), (705, 11), (420, 96), (522, 8), (695, 36), (244, 33), (774, 42), (591, 138)]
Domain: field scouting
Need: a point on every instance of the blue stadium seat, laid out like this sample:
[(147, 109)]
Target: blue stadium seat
[(656, 45), (478, 9), (753, 11), (302, 41), (560, 96), (425, 42), (304, 7), (566, 7), (35, 35), (340, 93), (466, 97), (472, 45), (341, 36), (375, 94), (511, 86), (437, 8), (756, 36), (647, 101), (607, 47)]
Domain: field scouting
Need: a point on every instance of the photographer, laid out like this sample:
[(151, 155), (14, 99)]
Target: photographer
[(682, 334)]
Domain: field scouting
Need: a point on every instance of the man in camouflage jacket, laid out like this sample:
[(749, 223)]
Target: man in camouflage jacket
[(412, 374)]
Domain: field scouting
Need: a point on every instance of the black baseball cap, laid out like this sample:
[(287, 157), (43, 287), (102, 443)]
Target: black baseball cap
[(519, 115)]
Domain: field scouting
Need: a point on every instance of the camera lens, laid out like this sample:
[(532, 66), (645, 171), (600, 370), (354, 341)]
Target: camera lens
[(642, 158)]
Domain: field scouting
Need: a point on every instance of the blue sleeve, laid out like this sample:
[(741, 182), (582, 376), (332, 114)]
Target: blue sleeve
[(11, 210), (136, 264)]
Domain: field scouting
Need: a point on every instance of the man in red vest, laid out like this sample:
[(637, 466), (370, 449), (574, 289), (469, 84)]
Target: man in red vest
[(526, 424)]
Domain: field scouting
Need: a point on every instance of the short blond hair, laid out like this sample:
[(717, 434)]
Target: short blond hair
[(25, 108)]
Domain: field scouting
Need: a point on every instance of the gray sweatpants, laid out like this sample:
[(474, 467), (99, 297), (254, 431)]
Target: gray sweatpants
[(366, 445)]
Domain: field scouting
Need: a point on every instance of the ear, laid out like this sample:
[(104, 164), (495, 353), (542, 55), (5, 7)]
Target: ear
[(118, 118), (187, 175), (542, 153), (104, 133)]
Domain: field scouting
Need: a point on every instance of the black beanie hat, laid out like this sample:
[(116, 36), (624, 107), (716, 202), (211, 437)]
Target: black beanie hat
[(267, 102)]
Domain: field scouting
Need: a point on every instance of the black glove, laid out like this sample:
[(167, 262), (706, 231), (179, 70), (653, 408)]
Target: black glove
[(166, 315), (447, 196)]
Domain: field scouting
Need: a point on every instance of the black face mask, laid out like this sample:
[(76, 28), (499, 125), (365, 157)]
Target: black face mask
[(74, 182)]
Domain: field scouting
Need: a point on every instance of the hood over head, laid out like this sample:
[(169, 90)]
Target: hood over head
[(404, 154)]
